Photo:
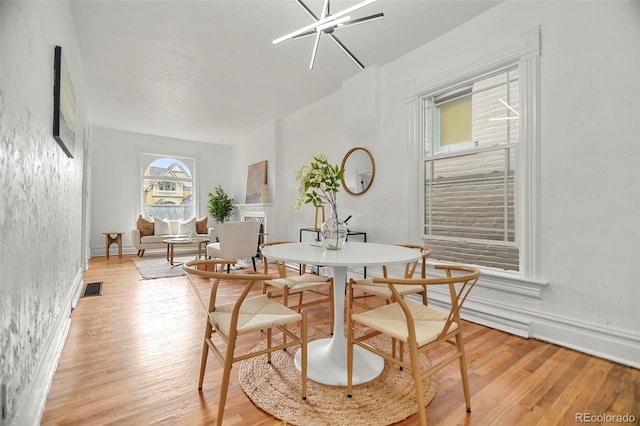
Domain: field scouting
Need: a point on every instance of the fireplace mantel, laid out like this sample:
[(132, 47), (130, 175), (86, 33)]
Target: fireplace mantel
[(262, 213)]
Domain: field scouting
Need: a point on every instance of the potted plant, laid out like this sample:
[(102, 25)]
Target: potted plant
[(220, 205)]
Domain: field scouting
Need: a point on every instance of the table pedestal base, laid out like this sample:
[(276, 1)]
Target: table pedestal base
[(327, 364)]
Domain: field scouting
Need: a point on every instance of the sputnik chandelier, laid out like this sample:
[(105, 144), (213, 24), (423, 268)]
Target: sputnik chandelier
[(327, 23)]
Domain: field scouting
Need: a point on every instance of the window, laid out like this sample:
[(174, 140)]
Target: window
[(167, 187), (471, 134)]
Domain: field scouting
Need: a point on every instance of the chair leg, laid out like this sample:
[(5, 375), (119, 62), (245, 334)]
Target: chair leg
[(417, 379), (253, 260), (142, 253), (393, 347), (205, 354), (203, 365), (285, 302), (226, 375), (269, 334), (300, 301), (463, 371)]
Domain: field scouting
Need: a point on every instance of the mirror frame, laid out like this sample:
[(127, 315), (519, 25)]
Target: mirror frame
[(373, 169)]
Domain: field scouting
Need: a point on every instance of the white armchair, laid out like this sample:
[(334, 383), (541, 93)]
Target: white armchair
[(238, 240)]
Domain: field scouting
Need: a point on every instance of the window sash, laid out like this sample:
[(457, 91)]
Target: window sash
[(498, 179), (470, 229)]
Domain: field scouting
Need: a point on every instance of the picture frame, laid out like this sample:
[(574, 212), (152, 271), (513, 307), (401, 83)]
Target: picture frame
[(256, 178), (64, 105)]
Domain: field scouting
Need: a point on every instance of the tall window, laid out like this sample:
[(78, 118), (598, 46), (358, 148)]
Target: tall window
[(167, 187), (470, 140)]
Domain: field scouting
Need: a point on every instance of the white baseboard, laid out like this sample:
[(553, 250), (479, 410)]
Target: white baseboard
[(615, 344), (29, 411)]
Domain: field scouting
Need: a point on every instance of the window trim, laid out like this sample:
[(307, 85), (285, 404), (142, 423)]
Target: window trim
[(526, 55)]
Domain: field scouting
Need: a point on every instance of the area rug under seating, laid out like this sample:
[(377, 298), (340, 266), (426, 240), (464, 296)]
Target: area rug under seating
[(154, 268), (151, 269), (385, 400)]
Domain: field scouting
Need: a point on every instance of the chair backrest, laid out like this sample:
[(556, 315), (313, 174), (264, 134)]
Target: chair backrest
[(459, 279), (205, 269), (282, 271), (239, 239), (410, 267)]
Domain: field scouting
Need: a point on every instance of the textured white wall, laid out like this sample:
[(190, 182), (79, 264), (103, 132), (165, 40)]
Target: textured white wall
[(116, 171), (41, 209)]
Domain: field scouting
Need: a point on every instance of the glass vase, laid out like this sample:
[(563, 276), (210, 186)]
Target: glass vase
[(333, 231)]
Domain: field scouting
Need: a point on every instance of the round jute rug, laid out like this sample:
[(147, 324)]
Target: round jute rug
[(385, 400)]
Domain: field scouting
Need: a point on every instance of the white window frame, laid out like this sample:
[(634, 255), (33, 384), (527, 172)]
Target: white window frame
[(526, 55)]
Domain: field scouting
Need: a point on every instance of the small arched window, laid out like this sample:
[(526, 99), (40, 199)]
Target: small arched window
[(167, 188)]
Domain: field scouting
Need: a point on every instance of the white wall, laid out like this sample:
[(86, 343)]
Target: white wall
[(41, 203), (317, 128), (116, 163), (590, 187), (258, 146)]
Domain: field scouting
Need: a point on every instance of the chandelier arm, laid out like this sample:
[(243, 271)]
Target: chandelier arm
[(360, 20), (325, 10), (306, 9), (315, 50), (347, 51), (307, 34)]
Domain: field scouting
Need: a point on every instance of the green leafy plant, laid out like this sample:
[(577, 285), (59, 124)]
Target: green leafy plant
[(318, 181), (220, 205)]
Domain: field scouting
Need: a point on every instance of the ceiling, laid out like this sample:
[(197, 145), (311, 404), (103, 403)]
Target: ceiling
[(207, 70)]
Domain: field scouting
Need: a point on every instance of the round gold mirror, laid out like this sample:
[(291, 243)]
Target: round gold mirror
[(359, 171)]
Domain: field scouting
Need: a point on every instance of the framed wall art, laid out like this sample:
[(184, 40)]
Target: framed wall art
[(64, 105), (256, 178)]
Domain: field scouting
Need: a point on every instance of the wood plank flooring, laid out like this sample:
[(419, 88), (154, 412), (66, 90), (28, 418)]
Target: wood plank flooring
[(132, 358)]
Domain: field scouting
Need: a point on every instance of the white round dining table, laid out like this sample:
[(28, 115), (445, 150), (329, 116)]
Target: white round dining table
[(327, 357)]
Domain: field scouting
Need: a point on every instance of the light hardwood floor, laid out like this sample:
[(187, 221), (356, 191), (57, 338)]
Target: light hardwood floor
[(132, 358)]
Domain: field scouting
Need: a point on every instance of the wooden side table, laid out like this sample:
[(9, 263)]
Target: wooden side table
[(108, 240)]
